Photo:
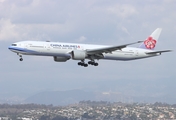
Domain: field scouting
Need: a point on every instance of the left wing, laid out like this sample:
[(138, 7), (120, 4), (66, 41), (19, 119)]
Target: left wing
[(108, 49)]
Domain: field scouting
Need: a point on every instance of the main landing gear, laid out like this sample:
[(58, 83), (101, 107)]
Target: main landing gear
[(82, 63), (93, 63)]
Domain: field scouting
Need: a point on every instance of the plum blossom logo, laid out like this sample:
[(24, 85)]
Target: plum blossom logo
[(150, 43)]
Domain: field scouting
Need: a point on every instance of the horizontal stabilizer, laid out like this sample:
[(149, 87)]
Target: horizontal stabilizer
[(155, 52)]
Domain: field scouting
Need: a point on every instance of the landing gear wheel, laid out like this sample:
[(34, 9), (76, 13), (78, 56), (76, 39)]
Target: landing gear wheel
[(95, 64), (91, 62), (21, 59), (79, 63), (85, 65), (82, 64)]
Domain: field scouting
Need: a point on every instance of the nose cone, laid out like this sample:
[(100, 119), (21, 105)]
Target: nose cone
[(10, 47), (13, 47)]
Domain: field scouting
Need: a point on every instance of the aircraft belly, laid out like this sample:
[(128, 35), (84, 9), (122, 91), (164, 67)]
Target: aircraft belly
[(119, 56)]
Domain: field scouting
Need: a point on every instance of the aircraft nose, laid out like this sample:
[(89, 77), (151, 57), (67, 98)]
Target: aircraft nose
[(10, 47)]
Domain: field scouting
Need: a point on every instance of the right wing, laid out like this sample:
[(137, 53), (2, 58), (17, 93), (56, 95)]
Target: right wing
[(108, 49)]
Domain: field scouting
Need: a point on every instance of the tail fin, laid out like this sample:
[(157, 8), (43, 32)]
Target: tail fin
[(151, 41)]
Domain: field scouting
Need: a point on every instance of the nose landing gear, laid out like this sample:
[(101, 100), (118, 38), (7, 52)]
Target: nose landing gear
[(21, 59)]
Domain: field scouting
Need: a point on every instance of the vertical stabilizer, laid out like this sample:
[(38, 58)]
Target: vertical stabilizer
[(151, 41)]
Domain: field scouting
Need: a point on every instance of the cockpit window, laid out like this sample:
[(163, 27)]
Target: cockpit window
[(14, 44)]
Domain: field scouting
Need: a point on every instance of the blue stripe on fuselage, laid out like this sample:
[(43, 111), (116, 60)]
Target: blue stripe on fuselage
[(32, 52), (24, 50)]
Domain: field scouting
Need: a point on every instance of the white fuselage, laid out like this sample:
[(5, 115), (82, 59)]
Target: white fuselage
[(59, 49)]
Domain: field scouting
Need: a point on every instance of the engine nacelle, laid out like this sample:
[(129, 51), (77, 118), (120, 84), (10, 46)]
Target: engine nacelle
[(78, 55), (60, 59)]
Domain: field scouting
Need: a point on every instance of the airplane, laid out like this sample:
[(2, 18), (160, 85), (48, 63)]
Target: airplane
[(61, 52)]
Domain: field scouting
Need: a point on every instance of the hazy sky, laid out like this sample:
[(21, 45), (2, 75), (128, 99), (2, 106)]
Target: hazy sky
[(87, 21)]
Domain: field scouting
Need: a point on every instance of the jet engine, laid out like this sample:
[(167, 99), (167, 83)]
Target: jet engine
[(60, 59), (78, 54)]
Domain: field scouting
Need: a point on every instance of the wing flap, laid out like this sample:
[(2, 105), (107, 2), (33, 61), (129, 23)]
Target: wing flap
[(108, 49)]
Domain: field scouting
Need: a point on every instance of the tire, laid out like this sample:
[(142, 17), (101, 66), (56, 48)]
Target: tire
[(96, 64), (85, 65), (79, 63), (21, 59)]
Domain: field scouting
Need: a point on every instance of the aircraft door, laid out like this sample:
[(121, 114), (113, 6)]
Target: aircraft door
[(48, 47), (136, 53)]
